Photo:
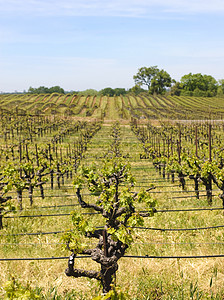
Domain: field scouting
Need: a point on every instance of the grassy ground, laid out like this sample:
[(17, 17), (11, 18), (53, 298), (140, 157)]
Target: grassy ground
[(143, 278)]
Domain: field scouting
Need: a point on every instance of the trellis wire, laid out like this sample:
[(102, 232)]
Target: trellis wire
[(178, 229), (125, 256), (96, 213), (143, 243), (134, 227)]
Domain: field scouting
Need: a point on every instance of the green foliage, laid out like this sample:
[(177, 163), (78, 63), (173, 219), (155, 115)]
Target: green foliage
[(114, 294), (207, 168), (6, 208), (112, 92), (176, 89), (119, 91), (12, 173), (15, 290), (220, 90), (74, 239), (156, 80), (46, 90), (198, 85), (107, 92), (136, 89), (113, 185), (88, 92)]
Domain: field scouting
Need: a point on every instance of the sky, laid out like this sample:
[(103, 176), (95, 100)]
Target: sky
[(94, 44)]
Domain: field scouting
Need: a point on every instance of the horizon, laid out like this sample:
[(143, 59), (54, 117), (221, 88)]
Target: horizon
[(81, 45)]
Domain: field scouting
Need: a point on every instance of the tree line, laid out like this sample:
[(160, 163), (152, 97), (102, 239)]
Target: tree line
[(159, 82), (153, 80)]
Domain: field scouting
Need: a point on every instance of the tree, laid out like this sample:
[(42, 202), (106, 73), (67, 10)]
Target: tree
[(199, 85), (88, 92), (176, 89), (160, 82), (156, 80), (112, 92), (107, 92), (220, 90), (136, 89), (46, 90), (116, 204), (56, 89), (119, 91)]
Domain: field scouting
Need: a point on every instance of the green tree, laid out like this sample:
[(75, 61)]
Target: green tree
[(107, 92), (199, 85), (156, 80), (56, 89), (160, 82), (88, 92), (46, 90), (136, 89), (176, 89), (119, 91), (220, 90)]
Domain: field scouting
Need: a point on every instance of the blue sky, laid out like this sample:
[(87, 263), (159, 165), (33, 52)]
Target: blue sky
[(81, 44)]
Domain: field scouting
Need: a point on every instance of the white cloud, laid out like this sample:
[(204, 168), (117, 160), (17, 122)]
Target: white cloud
[(129, 8)]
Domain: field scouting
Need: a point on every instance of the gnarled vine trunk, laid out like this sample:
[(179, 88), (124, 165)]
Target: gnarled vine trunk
[(109, 265)]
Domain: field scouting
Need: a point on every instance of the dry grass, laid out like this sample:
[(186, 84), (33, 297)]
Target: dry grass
[(160, 278)]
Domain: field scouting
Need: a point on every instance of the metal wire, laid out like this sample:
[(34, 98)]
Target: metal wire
[(125, 256)]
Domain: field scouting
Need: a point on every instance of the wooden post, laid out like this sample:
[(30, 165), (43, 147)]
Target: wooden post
[(1, 222), (179, 146), (37, 157), (27, 153), (196, 141), (210, 142), (209, 187)]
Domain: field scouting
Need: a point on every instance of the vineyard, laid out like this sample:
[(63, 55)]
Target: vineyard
[(143, 106), (61, 156)]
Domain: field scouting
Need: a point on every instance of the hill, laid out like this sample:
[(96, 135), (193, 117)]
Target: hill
[(143, 106)]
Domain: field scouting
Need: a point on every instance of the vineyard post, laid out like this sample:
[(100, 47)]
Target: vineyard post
[(62, 173), (58, 175), (196, 141), (12, 151), (51, 169), (1, 217), (171, 148), (67, 156), (209, 188), (179, 148), (12, 133), (27, 153), (159, 154), (179, 145), (19, 191), (70, 155), (5, 137), (39, 174), (210, 142), (164, 165), (37, 157), (168, 155), (196, 185)]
